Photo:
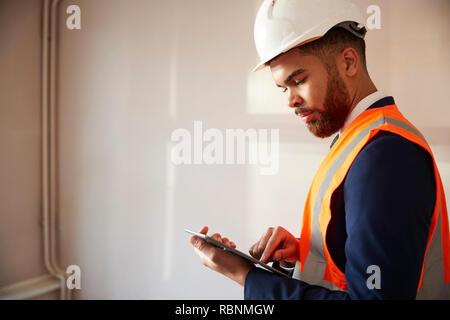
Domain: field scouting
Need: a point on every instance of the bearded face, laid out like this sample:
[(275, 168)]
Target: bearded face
[(317, 92), (337, 107)]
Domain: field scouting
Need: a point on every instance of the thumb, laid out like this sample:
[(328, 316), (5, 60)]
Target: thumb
[(282, 255)]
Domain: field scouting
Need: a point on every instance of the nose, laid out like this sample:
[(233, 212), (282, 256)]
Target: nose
[(294, 100)]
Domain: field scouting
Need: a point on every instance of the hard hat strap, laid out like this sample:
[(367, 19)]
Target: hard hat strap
[(353, 28)]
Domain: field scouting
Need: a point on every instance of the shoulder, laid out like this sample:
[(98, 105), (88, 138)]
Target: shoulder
[(391, 145), (387, 152), (391, 174)]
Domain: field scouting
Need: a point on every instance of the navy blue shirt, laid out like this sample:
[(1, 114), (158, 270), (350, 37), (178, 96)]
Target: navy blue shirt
[(381, 216)]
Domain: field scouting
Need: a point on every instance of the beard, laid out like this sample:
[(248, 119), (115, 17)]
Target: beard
[(337, 107)]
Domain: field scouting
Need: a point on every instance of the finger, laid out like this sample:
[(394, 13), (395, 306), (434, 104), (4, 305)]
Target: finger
[(232, 244), (252, 250), (217, 237), (226, 241), (259, 250), (198, 243), (272, 244), (283, 254), (193, 240), (204, 230)]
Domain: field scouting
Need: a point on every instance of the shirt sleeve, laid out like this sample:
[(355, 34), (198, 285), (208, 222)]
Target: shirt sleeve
[(389, 195), (265, 285)]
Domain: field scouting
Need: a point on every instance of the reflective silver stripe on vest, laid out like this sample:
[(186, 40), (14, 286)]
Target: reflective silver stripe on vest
[(407, 127), (434, 286), (315, 264)]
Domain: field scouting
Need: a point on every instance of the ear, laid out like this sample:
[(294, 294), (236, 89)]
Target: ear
[(349, 62)]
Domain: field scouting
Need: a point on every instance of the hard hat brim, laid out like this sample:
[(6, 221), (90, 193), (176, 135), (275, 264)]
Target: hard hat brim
[(262, 64), (259, 66)]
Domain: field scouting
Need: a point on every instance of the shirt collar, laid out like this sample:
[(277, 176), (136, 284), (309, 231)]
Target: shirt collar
[(361, 107)]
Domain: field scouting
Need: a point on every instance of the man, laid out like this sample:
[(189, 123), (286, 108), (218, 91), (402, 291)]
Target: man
[(375, 222)]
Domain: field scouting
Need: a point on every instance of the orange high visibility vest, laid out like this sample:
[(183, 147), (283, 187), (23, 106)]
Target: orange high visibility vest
[(316, 265)]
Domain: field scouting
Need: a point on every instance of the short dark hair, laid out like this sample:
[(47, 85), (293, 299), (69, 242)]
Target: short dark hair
[(331, 44), (335, 41)]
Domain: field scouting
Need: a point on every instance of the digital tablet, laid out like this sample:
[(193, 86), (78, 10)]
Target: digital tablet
[(235, 251)]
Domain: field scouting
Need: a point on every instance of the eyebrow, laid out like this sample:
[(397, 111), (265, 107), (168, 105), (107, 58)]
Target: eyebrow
[(293, 74)]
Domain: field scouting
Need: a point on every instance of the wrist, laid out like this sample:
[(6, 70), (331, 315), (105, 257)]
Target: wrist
[(242, 273)]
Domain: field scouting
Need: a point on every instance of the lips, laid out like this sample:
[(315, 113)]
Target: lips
[(305, 115)]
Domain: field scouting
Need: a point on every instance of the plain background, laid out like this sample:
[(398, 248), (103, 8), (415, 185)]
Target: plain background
[(135, 72)]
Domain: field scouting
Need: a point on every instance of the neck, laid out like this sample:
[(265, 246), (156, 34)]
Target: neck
[(361, 91)]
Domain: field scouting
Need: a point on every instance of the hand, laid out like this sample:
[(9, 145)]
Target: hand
[(220, 260), (276, 244)]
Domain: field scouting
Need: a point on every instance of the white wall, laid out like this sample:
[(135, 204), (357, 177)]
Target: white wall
[(138, 70), (21, 254), (135, 72)]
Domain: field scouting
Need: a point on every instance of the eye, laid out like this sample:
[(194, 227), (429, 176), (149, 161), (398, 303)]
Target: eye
[(296, 82), (299, 82)]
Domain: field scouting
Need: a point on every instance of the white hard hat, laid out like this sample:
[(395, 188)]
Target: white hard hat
[(281, 25)]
